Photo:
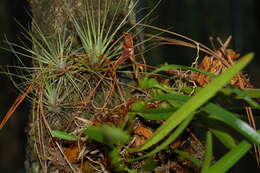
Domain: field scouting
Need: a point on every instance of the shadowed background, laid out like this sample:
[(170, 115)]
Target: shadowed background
[(197, 19)]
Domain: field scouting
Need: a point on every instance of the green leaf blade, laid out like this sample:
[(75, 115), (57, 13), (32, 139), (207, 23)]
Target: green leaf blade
[(64, 135), (189, 157), (208, 155), (229, 159), (225, 138), (230, 119)]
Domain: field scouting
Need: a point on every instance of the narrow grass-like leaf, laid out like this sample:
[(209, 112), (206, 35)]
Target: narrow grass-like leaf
[(195, 102), (189, 157), (225, 138), (248, 99), (64, 135), (208, 155), (229, 159), (230, 119), (252, 93), (221, 130)]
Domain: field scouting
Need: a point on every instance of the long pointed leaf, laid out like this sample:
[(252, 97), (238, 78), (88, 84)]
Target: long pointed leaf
[(208, 153), (230, 119), (228, 160), (189, 157), (225, 138)]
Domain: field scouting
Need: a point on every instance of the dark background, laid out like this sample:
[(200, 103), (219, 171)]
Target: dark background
[(197, 19)]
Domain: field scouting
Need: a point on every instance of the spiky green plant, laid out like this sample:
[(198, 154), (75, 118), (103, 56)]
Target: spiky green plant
[(100, 26)]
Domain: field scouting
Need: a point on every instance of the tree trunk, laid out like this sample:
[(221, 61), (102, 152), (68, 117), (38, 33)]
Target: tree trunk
[(52, 17)]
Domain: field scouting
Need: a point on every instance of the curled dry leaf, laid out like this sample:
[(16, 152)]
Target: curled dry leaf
[(176, 144), (217, 65), (72, 153), (141, 135)]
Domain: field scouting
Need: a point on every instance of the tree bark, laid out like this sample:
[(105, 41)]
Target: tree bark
[(51, 16)]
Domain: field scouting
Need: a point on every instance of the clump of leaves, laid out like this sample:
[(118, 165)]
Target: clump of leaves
[(83, 109)]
